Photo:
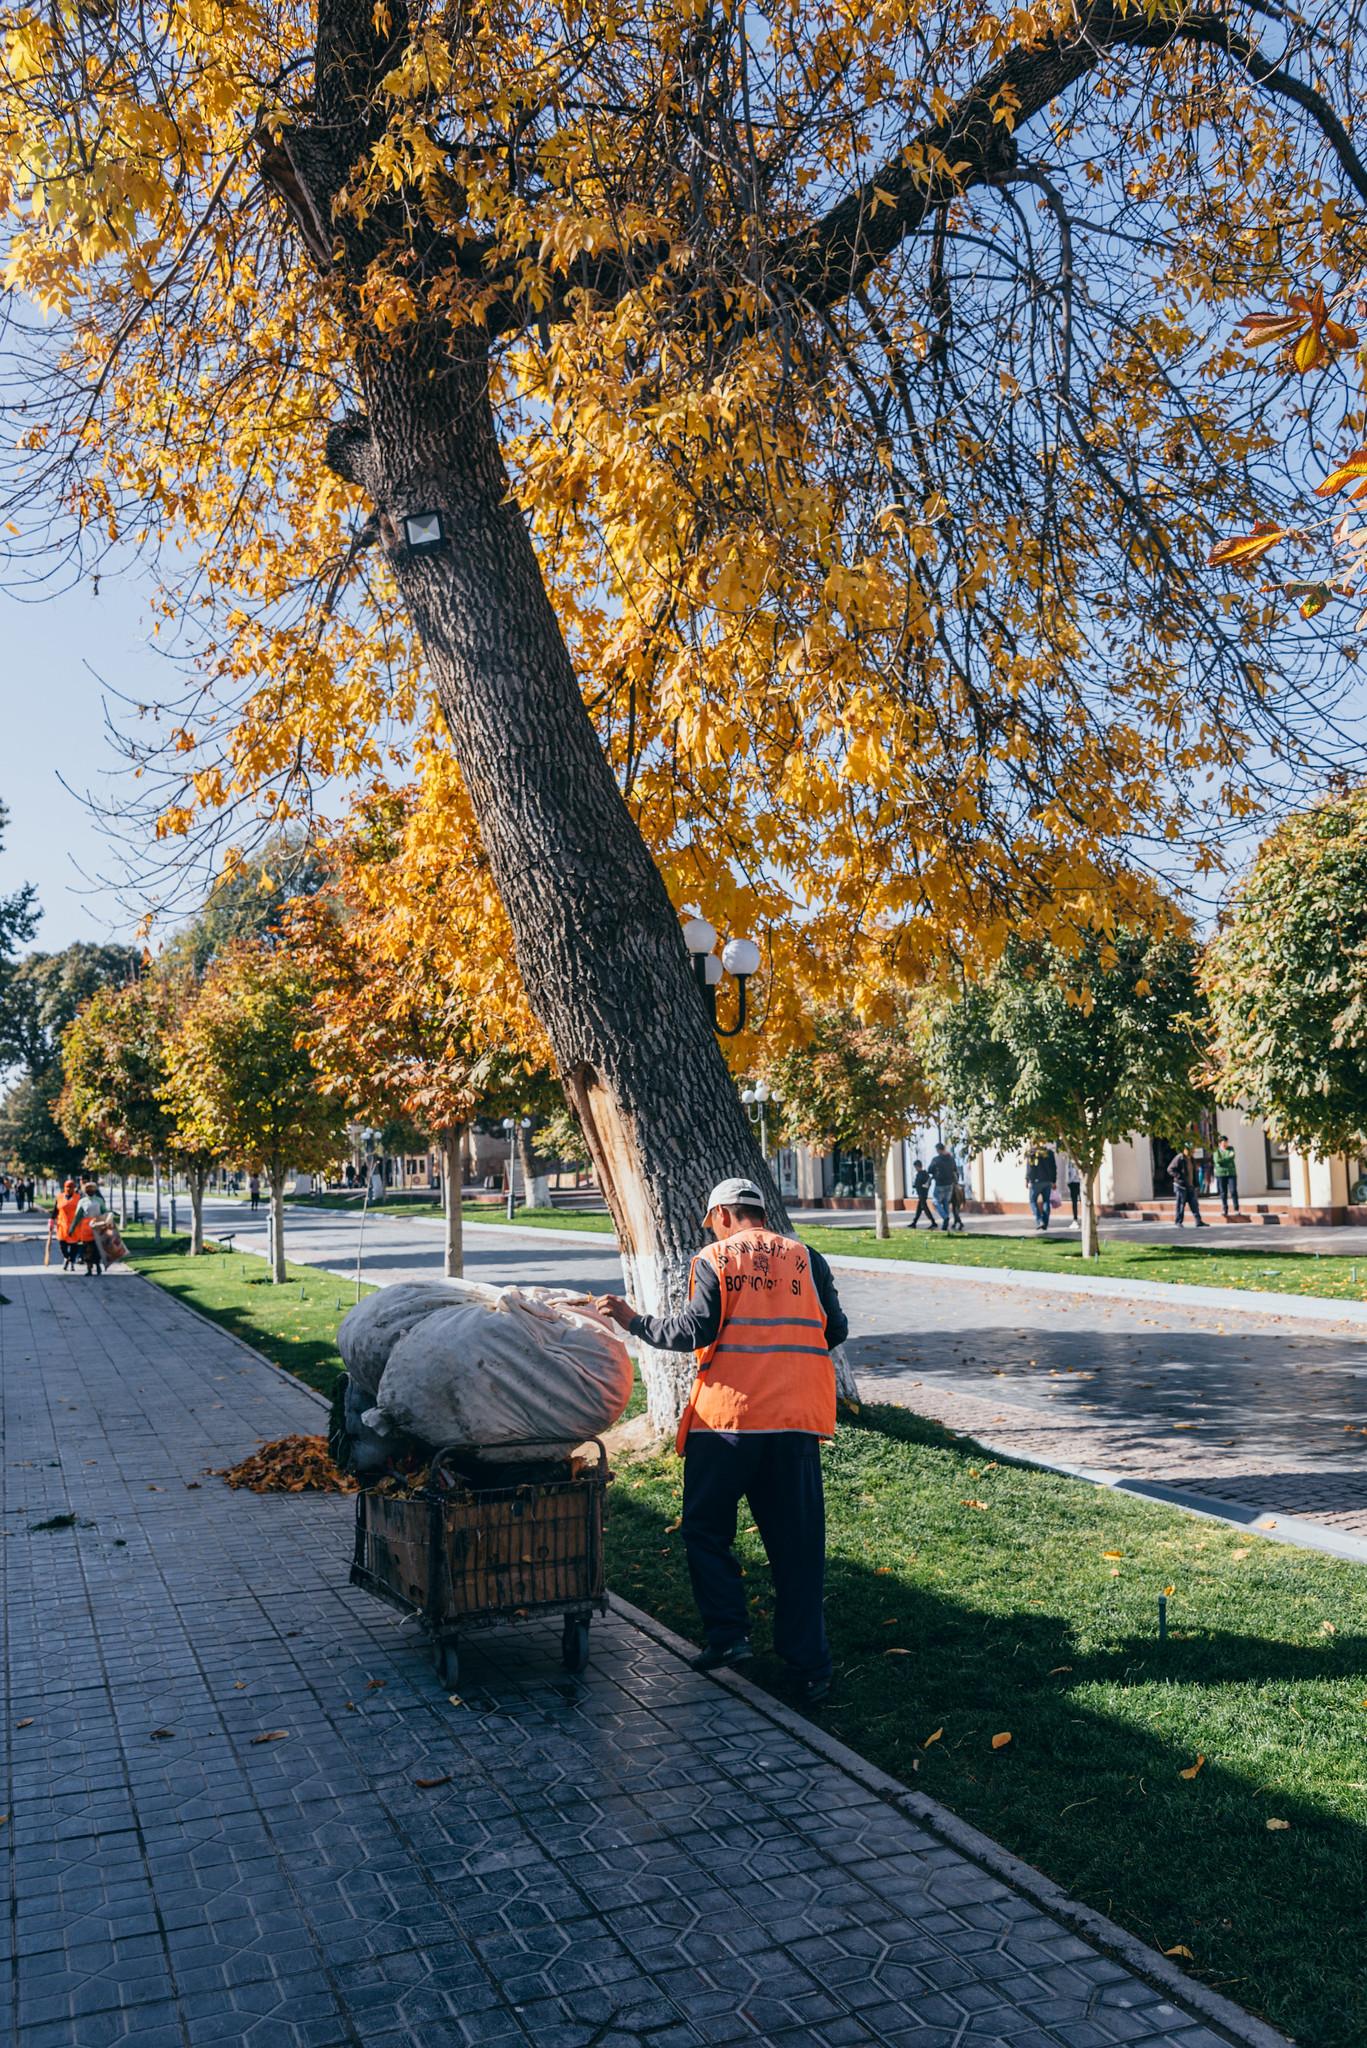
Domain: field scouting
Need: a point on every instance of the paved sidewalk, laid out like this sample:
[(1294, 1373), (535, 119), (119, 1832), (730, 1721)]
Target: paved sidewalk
[(637, 1856)]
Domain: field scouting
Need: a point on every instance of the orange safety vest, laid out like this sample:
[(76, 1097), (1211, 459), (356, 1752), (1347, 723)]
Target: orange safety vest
[(769, 1367), (67, 1206)]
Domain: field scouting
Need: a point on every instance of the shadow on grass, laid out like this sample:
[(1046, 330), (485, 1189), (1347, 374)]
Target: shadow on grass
[(1103, 1719)]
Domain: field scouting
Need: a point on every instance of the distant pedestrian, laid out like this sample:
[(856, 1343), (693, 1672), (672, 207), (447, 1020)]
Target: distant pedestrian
[(1184, 1189), (89, 1210), (1041, 1180), (943, 1174), (1074, 1185), (1226, 1177), (920, 1187), (254, 1194), (956, 1201)]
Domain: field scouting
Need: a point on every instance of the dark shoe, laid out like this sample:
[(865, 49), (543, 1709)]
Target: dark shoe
[(814, 1690), (723, 1656)]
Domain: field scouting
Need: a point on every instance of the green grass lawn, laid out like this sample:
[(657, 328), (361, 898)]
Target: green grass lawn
[(1276, 1270), (952, 1623)]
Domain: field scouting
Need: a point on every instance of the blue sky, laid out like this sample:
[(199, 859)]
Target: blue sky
[(60, 657)]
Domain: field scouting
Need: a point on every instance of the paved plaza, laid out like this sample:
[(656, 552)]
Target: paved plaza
[(636, 1856), (1263, 1412)]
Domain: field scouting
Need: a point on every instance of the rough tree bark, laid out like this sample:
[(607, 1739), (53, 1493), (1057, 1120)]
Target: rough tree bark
[(598, 941), (452, 1180), (156, 1201), (880, 1190)]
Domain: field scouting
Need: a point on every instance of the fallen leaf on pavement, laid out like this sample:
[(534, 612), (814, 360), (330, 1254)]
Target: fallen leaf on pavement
[(25, 1724), (1192, 1769), (271, 1735), (376, 1684), (292, 1464), (1180, 1949), (162, 1734), (1000, 1741), (430, 1784)]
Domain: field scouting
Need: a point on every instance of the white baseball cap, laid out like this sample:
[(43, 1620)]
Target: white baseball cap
[(734, 1194)]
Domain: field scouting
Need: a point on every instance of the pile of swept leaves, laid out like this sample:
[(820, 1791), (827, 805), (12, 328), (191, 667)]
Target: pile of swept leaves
[(292, 1464)]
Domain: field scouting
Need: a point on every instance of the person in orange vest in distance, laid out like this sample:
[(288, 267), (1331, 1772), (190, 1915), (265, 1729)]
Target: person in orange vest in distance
[(62, 1223), (763, 1317)]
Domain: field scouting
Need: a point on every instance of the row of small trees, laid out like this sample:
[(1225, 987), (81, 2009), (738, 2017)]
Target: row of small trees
[(1134, 1031)]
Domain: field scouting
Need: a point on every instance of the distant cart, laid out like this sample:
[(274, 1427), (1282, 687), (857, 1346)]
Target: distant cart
[(460, 1556)]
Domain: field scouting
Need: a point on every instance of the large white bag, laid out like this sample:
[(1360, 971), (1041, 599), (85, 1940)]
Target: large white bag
[(530, 1367), (369, 1332)]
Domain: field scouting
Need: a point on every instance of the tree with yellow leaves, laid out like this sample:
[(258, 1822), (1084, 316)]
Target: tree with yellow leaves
[(389, 1031), (780, 448)]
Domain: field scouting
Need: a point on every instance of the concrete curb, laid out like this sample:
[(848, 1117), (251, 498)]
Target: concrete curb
[(1231, 1300), (1155, 1968)]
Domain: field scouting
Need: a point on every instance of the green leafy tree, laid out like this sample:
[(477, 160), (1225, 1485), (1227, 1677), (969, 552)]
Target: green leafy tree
[(43, 993), (1085, 1047), (241, 1082), (1286, 980), (30, 1135), (19, 916), (113, 1057), (251, 900), (855, 1084)]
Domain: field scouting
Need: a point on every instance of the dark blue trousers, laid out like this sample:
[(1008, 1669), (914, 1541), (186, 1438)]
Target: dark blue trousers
[(780, 1476)]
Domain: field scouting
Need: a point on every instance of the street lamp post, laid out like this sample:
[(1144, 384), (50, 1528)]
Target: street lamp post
[(757, 1101), (739, 957)]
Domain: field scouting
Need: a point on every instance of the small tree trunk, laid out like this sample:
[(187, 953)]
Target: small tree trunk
[(1091, 1236), (156, 1201), (452, 1176), (123, 1201), (171, 1194), (526, 1160), (277, 1227), (880, 1195), (198, 1176)]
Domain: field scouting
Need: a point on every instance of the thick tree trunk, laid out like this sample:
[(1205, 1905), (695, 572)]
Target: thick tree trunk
[(198, 1176), (1091, 1236), (526, 1159), (452, 1177), (156, 1201), (276, 1249), (597, 940)]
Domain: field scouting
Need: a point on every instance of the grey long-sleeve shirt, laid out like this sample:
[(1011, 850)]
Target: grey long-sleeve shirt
[(696, 1325)]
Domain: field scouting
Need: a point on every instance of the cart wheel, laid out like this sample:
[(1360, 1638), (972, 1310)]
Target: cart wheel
[(574, 1643), (448, 1662)]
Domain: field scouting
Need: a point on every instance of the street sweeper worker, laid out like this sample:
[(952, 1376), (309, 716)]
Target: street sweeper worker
[(763, 1317)]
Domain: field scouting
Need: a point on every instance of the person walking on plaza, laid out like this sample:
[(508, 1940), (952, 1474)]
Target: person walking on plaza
[(956, 1200), (1226, 1176), (254, 1193), (763, 1317), (89, 1210), (1041, 1178), (1074, 1178), (62, 1223), (944, 1172), (920, 1187), (1184, 1189)]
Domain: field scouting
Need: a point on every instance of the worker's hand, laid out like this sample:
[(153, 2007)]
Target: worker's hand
[(614, 1306)]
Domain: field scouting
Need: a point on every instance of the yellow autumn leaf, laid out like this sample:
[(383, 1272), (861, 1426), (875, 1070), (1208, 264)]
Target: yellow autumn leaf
[(1247, 547), (1112, 1553), (1192, 1770), (1179, 1948), (1278, 1826), (1000, 1741), (932, 1738)]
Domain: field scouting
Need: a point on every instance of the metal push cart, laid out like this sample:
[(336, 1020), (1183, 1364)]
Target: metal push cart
[(460, 1556)]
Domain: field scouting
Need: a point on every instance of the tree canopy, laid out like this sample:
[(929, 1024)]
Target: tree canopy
[(1088, 1047), (855, 1084), (1286, 980), (866, 379)]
